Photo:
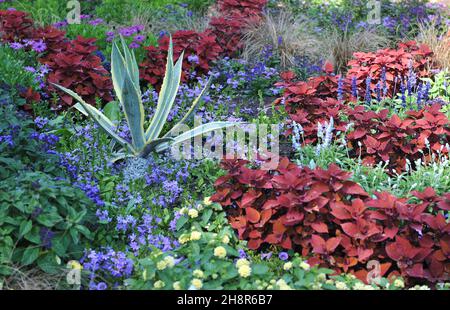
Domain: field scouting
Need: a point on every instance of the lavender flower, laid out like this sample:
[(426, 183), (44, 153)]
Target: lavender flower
[(368, 97)]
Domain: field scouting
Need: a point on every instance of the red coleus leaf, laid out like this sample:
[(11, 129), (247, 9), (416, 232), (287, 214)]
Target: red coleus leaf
[(320, 227), (320, 246), (252, 215), (352, 188)]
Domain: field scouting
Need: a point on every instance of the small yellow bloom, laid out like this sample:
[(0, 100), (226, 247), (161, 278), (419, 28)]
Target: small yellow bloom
[(198, 273), (220, 252), (226, 239), (242, 262), (73, 264), (196, 235), (399, 283), (341, 286), (184, 238), (322, 277), (193, 213), (170, 261), (283, 285), (287, 266), (245, 271), (305, 265), (161, 265), (177, 285), (214, 276), (207, 201), (159, 284), (197, 283)]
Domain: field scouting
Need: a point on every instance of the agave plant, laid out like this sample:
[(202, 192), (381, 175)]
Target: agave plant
[(125, 77)]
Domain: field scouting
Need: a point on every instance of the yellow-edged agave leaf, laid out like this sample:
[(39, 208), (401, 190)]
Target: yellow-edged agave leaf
[(154, 146), (134, 112), (203, 129), (191, 110), (167, 95), (131, 64), (118, 70), (98, 116)]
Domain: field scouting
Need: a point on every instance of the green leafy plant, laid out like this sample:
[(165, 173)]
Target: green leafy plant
[(125, 76), (12, 67), (440, 85), (44, 220)]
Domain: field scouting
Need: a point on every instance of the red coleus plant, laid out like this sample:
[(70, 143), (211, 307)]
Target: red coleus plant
[(394, 63), (377, 137), (244, 7), (72, 63), (201, 45), (330, 219), (373, 136), (15, 25), (221, 38), (77, 68)]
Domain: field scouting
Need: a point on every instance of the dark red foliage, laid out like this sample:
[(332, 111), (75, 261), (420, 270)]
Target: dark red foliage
[(377, 137), (332, 220), (72, 62), (221, 38), (201, 44), (78, 69), (374, 137), (396, 63), (244, 7), (15, 25), (228, 33)]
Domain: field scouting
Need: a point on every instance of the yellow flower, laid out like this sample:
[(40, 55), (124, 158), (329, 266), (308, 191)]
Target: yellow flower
[(399, 283), (144, 275), (220, 252), (214, 276), (322, 277), (341, 286), (305, 265), (244, 271), (242, 262), (283, 285), (170, 261), (177, 285), (183, 210), (184, 238), (193, 213), (226, 239), (196, 235), (287, 266), (73, 264), (197, 283), (161, 265), (159, 284), (207, 201), (198, 273)]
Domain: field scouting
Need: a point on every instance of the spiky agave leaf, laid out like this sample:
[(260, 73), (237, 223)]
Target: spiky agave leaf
[(167, 95)]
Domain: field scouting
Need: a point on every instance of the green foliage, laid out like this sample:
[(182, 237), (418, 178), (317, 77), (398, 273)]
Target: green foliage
[(204, 233), (43, 219), (115, 10), (12, 68), (440, 86), (43, 12)]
